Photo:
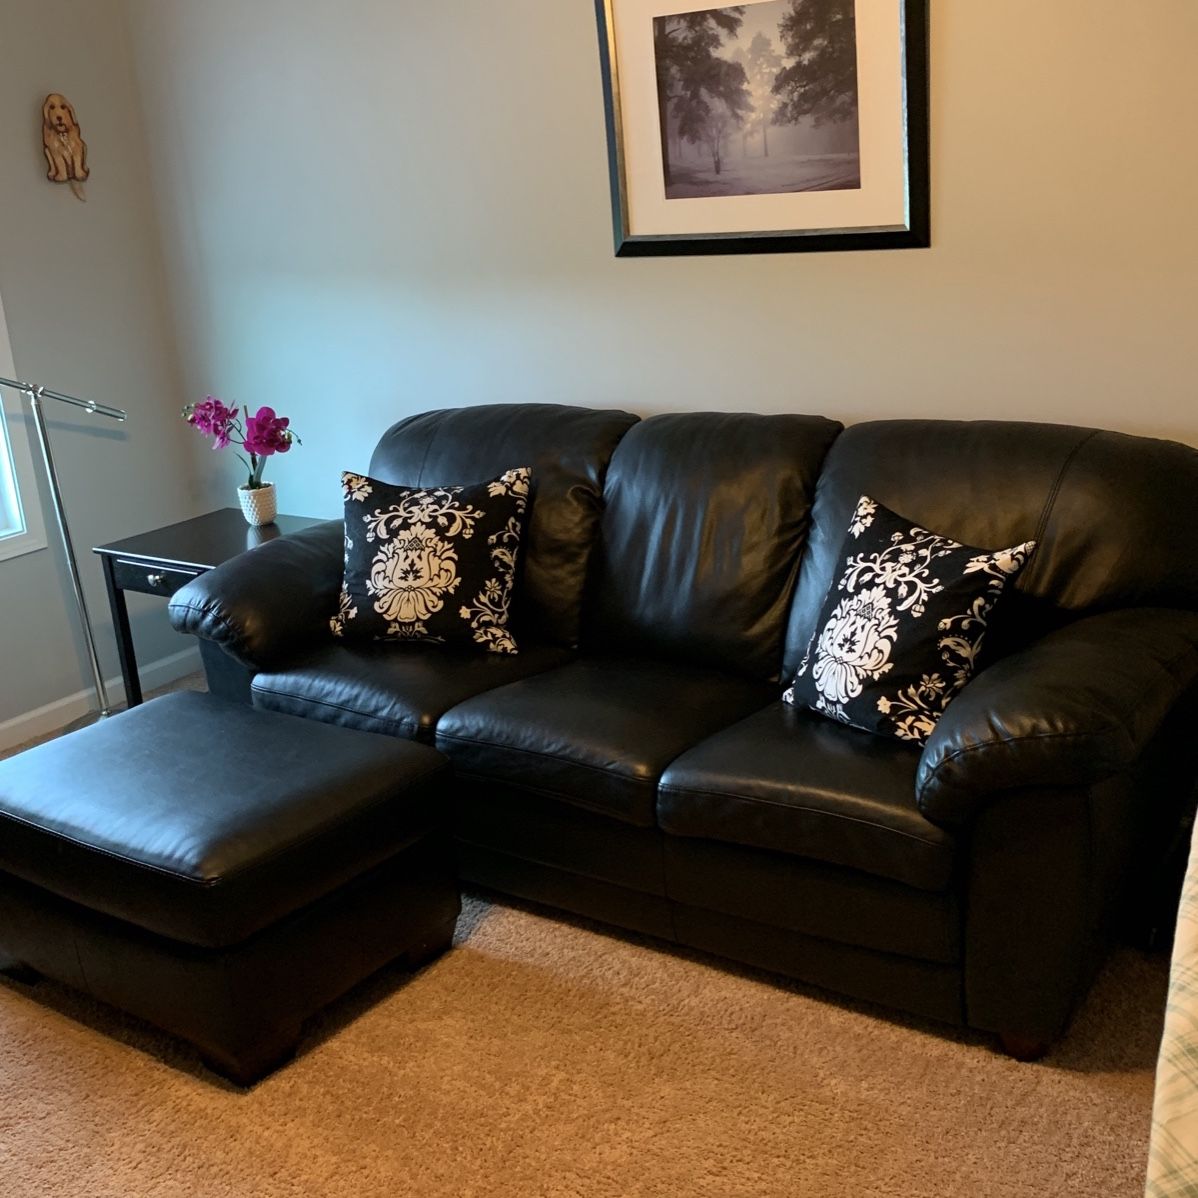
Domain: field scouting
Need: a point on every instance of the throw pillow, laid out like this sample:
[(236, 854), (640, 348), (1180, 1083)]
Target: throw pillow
[(901, 627), (436, 564)]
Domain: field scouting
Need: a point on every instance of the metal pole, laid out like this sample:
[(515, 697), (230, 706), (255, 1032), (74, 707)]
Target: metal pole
[(88, 405), (35, 402)]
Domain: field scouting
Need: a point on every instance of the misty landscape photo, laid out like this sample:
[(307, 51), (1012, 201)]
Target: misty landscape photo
[(758, 99)]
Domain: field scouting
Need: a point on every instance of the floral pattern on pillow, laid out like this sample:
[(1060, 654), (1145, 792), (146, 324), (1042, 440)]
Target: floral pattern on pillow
[(415, 570), (901, 629)]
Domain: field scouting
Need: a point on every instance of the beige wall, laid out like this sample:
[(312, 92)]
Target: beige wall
[(84, 293), (371, 207), (374, 207)]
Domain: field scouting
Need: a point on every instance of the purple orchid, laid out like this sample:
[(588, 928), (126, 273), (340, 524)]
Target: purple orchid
[(264, 435), (213, 419)]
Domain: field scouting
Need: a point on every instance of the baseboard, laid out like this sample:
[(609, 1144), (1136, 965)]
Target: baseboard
[(44, 720)]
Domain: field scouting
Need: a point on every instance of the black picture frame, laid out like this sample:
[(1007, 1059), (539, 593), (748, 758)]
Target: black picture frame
[(913, 232)]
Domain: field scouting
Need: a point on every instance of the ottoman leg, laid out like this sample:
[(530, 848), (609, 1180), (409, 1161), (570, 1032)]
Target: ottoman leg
[(248, 1067), (1023, 1048), (430, 946)]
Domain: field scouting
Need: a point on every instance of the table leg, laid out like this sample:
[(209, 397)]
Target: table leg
[(124, 635)]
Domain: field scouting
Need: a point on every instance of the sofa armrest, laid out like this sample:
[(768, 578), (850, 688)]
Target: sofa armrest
[(1074, 708), (265, 604)]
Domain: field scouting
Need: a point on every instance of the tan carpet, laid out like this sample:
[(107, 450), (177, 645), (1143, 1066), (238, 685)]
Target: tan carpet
[(543, 1057)]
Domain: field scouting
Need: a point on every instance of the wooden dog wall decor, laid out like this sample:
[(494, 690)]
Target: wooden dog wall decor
[(65, 149)]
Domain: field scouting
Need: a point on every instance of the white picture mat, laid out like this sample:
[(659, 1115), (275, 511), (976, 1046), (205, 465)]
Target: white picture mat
[(881, 201)]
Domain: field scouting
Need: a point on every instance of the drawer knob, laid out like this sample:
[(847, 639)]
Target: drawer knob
[(155, 580)]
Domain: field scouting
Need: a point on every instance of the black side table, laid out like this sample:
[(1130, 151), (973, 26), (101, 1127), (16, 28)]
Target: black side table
[(160, 562)]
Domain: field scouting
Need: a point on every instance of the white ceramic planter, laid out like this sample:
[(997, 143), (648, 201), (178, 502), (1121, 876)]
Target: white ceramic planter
[(259, 505)]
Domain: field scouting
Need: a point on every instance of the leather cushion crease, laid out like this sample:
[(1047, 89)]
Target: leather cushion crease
[(595, 733), (400, 690), (698, 549), (793, 782)]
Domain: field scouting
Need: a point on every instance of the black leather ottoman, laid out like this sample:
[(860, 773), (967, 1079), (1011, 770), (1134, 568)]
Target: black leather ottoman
[(223, 872)]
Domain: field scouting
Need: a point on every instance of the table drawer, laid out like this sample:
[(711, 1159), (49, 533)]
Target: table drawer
[(149, 578)]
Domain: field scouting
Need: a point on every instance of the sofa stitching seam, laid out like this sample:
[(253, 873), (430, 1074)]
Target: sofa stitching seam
[(1054, 492), (428, 449), (723, 794), (399, 723), (583, 765)]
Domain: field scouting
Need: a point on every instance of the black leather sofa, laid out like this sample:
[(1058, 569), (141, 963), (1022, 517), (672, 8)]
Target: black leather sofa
[(634, 763)]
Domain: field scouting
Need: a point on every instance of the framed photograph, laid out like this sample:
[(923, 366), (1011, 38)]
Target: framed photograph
[(773, 125)]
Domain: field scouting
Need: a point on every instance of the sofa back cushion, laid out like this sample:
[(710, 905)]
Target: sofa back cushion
[(1112, 514), (568, 449), (705, 518)]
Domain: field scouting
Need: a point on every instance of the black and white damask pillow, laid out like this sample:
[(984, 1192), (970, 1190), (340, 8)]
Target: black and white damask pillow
[(901, 628), (431, 565)]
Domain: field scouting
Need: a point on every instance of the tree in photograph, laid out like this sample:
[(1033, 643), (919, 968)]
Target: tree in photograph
[(739, 57), (685, 46), (716, 104), (821, 37), (762, 64)]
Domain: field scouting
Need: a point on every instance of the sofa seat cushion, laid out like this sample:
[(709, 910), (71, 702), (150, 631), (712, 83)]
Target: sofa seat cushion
[(401, 690), (596, 733), (792, 782)]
